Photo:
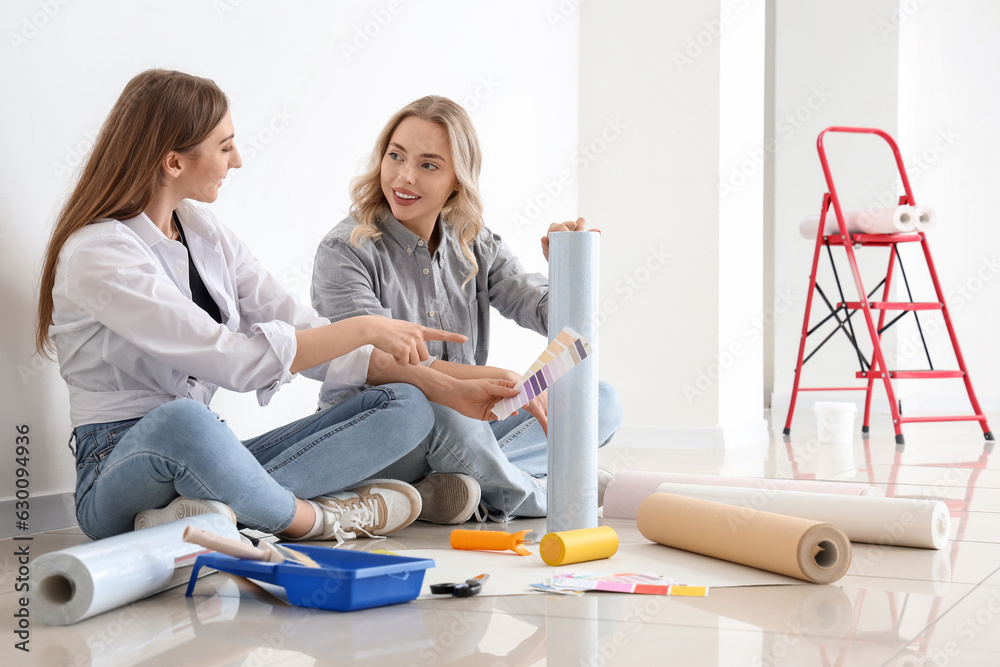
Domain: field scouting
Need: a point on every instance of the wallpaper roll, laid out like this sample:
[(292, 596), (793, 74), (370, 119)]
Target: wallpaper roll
[(895, 220), (925, 218), (628, 489), (89, 579), (808, 550), (572, 430), (902, 522)]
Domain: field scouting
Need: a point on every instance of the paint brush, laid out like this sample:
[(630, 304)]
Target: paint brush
[(490, 540), (264, 551)]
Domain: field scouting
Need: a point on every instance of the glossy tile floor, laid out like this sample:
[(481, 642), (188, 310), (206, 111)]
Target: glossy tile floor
[(896, 606)]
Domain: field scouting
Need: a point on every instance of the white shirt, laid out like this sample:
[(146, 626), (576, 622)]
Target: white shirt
[(129, 337)]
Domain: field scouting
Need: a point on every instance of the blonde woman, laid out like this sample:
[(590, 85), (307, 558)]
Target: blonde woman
[(415, 248), (151, 304)]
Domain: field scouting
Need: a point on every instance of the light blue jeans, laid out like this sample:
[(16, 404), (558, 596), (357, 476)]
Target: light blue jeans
[(182, 448), (508, 458)]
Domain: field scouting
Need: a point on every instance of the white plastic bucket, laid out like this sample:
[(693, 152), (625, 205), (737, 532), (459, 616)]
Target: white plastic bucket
[(835, 421)]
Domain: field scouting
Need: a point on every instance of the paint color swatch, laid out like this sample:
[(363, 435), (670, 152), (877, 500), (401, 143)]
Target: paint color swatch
[(563, 353), (626, 582)]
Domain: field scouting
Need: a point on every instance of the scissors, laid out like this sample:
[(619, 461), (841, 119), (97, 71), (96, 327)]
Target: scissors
[(468, 588)]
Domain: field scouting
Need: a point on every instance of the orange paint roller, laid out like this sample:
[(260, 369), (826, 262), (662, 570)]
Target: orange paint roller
[(490, 540)]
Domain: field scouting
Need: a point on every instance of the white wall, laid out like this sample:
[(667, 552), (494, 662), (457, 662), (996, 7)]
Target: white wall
[(309, 91), (949, 77), (926, 72), (682, 261), (832, 67)]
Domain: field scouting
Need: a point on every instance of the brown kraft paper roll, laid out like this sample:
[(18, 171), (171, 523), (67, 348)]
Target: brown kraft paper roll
[(809, 550)]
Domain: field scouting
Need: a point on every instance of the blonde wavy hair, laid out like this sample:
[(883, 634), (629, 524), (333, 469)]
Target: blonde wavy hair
[(463, 211)]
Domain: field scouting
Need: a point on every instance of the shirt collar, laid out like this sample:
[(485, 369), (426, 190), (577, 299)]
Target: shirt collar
[(144, 228), (195, 221), (407, 239)]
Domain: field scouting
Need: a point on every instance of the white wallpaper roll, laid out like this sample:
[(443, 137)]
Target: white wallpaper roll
[(925, 218), (895, 220), (902, 522), (89, 579), (572, 431), (628, 489)]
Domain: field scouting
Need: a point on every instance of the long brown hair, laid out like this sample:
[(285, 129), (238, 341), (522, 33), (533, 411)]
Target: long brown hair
[(159, 111), (463, 210)]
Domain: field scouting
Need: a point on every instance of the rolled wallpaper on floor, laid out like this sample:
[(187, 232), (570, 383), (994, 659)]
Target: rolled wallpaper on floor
[(809, 550), (89, 579)]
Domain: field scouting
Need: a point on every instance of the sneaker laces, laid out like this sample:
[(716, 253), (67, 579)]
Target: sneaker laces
[(361, 513)]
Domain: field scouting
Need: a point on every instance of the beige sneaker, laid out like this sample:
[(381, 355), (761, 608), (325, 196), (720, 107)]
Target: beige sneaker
[(448, 498), (181, 508), (604, 476), (374, 508)]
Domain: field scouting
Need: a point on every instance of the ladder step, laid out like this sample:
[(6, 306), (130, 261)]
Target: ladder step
[(910, 375), (893, 305), (874, 239), (944, 418)]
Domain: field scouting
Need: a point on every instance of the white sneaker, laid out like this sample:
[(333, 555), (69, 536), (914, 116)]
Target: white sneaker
[(448, 498), (181, 508), (374, 508)]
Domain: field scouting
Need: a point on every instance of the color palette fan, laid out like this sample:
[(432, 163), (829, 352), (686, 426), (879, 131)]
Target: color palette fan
[(564, 352)]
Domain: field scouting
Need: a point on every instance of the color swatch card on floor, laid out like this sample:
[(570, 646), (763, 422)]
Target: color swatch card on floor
[(625, 582), (511, 574), (564, 352)]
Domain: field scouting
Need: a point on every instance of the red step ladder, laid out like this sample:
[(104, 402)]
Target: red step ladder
[(875, 369)]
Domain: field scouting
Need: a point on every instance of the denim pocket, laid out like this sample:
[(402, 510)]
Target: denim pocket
[(95, 442)]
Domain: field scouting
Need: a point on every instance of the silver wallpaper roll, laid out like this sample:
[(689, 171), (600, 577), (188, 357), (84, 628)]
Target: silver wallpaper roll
[(572, 436), (89, 579)]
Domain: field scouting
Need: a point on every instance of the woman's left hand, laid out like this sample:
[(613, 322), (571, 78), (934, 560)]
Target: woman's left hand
[(476, 398), (580, 225)]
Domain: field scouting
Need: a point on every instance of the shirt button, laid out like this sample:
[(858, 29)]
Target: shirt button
[(409, 251), (420, 242), (431, 314), (426, 271)]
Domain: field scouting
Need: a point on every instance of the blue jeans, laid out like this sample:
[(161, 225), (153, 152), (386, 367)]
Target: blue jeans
[(508, 458), (182, 448)]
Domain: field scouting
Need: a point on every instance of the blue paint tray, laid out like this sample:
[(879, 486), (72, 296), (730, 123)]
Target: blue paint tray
[(345, 580)]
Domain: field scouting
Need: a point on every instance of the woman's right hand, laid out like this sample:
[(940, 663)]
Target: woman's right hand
[(476, 398), (405, 341)]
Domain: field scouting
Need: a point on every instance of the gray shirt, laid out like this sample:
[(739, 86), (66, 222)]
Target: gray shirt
[(397, 277)]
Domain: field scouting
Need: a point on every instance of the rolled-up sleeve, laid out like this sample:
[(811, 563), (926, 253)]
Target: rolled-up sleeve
[(266, 304), (119, 285)]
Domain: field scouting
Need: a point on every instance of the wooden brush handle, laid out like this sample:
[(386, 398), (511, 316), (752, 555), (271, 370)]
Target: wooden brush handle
[(233, 548)]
